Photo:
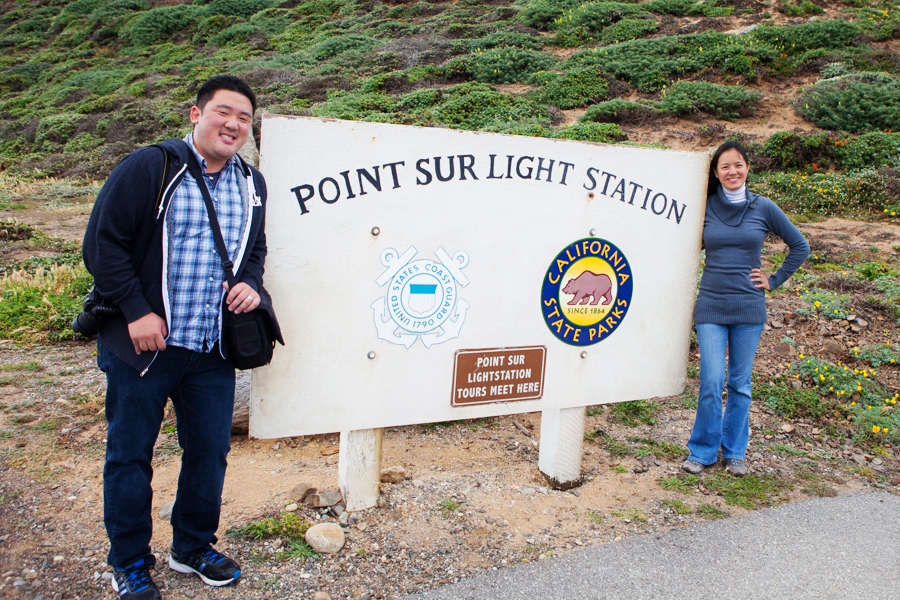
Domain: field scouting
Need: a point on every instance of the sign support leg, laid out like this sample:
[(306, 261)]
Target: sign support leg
[(359, 467), (562, 434)]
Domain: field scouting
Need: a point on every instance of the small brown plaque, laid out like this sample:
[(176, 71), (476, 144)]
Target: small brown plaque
[(498, 375)]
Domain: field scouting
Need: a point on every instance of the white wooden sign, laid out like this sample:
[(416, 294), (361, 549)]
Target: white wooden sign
[(394, 248)]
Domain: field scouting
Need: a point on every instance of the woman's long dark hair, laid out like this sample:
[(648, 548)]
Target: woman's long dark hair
[(713, 186)]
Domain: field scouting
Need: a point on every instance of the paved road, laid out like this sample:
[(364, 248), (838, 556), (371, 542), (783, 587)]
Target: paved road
[(827, 548)]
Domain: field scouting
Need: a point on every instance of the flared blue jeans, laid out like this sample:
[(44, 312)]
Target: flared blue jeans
[(713, 429)]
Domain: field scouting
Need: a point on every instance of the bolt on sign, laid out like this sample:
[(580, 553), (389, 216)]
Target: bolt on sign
[(424, 274)]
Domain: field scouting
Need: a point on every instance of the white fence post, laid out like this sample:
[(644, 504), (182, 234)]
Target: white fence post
[(359, 467), (562, 434)]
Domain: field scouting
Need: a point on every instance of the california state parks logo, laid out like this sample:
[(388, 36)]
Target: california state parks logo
[(586, 292), (421, 299)]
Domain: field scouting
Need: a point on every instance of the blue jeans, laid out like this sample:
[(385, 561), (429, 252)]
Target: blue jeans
[(712, 430), (201, 386)]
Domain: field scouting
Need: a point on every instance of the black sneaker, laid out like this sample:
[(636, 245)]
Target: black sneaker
[(135, 583), (213, 568)]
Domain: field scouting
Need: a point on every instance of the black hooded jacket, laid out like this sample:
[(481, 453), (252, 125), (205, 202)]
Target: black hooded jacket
[(124, 248)]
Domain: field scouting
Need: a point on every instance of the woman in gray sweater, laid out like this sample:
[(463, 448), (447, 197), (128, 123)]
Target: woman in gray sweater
[(731, 306)]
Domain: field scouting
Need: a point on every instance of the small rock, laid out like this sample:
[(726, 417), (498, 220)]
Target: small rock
[(326, 538), (327, 499), (528, 491), (418, 483), (291, 507), (277, 544), (344, 518), (276, 446), (189, 593), (648, 460), (29, 574), (166, 511), (490, 520), (321, 596), (756, 456), (776, 324), (785, 349), (37, 583), (58, 559), (788, 428), (107, 575), (877, 461), (859, 459), (833, 348), (394, 475), (338, 508), (300, 491), (362, 525)]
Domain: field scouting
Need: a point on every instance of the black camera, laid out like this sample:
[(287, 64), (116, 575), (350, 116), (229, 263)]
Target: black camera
[(95, 313)]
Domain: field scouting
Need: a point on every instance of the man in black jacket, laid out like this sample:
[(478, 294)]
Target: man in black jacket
[(150, 247)]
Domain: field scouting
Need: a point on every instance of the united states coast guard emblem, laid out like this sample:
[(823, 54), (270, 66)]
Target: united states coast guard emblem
[(421, 299)]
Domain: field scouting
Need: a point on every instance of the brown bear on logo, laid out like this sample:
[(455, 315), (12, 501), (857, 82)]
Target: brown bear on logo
[(589, 284)]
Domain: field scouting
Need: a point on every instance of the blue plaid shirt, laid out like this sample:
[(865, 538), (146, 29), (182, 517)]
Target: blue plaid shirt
[(195, 272)]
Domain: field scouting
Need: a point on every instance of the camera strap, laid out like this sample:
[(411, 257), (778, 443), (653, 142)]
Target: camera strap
[(197, 174)]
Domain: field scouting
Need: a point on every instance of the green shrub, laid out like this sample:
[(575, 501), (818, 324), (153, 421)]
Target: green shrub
[(790, 402), (572, 89), (871, 408), (789, 150), (619, 111), (853, 193), (238, 8), (883, 354), (210, 26), (508, 64), (236, 34), (539, 13), (354, 106), (82, 142), (57, 129), (854, 103), (722, 101), (340, 44), (873, 149), (324, 7), (628, 29), (606, 133), (470, 106), (506, 38), (162, 23), (803, 9)]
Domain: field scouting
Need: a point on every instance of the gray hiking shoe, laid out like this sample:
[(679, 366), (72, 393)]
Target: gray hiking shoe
[(736, 467), (692, 467)]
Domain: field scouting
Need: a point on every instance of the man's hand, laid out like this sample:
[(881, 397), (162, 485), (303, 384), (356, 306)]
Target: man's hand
[(241, 299), (148, 333), (759, 280)]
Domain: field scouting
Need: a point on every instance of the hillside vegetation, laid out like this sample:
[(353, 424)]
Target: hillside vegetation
[(84, 82)]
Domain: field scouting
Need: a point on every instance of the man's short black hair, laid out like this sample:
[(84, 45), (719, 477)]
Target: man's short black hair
[(224, 82)]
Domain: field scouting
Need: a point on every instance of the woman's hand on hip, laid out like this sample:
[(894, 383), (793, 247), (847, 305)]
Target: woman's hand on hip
[(759, 280)]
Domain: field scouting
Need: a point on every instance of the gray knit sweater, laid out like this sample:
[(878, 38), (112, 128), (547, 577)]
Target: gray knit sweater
[(733, 236)]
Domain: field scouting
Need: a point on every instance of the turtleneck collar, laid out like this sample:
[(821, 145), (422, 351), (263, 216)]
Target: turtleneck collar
[(729, 212), (738, 195)]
